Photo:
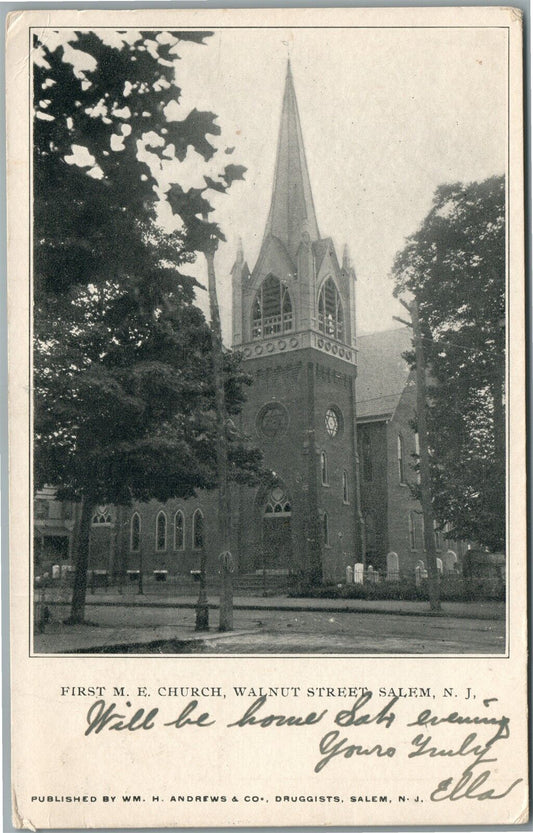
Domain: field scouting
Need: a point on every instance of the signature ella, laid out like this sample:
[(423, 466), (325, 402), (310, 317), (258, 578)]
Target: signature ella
[(472, 783)]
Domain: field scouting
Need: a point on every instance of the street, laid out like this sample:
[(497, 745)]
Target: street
[(274, 631)]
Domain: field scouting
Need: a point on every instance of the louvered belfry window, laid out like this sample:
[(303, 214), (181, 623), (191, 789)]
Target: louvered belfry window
[(272, 309), (330, 313)]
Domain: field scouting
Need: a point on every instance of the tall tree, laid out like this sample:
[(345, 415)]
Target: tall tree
[(124, 394), (454, 265)]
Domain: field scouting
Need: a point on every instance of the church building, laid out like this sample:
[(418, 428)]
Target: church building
[(331, 414), (294, 321)]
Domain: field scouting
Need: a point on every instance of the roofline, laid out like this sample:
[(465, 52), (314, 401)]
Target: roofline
[(374, 418)]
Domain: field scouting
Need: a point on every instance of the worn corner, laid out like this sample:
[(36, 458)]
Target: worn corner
[(18, 819)]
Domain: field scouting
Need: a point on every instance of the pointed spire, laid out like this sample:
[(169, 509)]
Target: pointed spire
[(292, 200), (346, 259), (239, 257)]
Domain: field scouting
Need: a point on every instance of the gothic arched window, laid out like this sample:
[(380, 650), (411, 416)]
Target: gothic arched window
[(179, 531), (345, 487), (102, 517), (330, 314), (272, 309), (161, 532), (198, 530), (324, 468), (278, 502), (135, 532), (417, 456), (412, 530), (401, 460)]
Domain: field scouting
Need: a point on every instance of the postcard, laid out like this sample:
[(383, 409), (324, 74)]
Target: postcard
[(267, 417)]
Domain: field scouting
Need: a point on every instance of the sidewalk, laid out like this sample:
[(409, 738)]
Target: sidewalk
[(60, 638), (462, 610)]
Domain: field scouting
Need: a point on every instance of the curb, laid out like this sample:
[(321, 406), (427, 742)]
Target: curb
[(196, 637), (299, 608), (137, 640)]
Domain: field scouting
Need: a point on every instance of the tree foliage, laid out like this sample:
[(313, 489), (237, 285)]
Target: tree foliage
[(124, 400), (123, 390), (103, 136), (454, 265)]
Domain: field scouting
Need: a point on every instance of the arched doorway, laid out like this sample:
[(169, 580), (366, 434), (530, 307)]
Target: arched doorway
[(276, 534)]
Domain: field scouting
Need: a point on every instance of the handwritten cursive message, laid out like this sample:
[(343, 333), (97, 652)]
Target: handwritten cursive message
[(345, 734)]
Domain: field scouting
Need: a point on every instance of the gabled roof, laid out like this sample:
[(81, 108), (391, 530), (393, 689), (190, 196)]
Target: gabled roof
[(382, 373), (292, 200), (273, 258), (320, 249)]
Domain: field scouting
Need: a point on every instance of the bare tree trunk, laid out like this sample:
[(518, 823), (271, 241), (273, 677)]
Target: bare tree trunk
[(224, 498), (79, 590), (425, 476), (202, 607)]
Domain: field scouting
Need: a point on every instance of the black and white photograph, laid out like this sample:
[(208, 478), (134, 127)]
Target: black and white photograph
[(269, 329), (267, 528)]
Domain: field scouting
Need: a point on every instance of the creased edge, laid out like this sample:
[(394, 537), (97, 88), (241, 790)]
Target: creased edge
[(12, 18), (18, 820), (517, 15), (523, 815)]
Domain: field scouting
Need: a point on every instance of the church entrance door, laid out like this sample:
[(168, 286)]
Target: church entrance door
[(276, 531)]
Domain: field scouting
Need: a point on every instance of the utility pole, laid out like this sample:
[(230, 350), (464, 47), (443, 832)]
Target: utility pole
[(224, 497), (358, 508), (140, 590), (425, 478), (202, 606)]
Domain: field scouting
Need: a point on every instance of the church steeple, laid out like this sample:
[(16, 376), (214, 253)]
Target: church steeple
[(298, 294), (292, 206)]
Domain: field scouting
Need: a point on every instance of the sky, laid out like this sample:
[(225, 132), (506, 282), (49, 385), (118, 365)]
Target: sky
[(387, 115)]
